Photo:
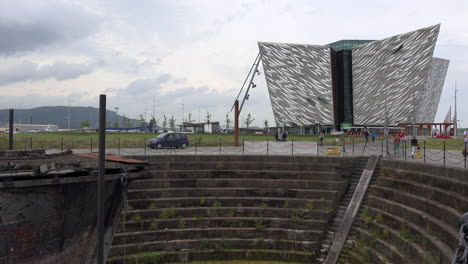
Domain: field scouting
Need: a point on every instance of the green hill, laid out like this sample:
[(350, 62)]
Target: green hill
[(58, 115)]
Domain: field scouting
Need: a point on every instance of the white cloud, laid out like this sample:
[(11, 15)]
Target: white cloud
[(204, 48)]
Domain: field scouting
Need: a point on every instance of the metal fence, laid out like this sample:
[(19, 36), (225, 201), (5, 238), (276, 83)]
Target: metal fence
[(444, 153)]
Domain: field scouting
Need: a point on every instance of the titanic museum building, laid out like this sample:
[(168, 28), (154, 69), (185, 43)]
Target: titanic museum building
[(358, 82)]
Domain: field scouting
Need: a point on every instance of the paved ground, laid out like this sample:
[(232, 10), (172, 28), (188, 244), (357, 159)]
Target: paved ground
[(448, 158)]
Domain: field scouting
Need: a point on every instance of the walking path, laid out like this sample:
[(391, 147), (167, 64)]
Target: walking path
[(450, 158)]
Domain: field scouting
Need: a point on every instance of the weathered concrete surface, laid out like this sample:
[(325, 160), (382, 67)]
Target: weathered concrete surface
[(351, 211)]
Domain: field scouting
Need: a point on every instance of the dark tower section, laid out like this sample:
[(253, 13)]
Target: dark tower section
[(342, 79)]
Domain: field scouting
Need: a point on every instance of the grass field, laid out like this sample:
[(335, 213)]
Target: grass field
[(84, 140)]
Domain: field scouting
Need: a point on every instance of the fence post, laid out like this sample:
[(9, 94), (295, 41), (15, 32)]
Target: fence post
[(196, 148), (318, 145), (404, 148), (61, 145), (145, 145), (292, 147), (267, 146), (381, 151), (118, 146), (243, 146), (91, 145), (466, 154), (219, 140), (353, 146), (386, 148), (444, 153), (31, 146), (424, 149)]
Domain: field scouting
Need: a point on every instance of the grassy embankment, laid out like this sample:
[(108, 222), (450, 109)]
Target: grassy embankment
[(83, 140)]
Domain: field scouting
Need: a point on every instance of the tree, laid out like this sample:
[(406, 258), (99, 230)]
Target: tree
[(190, 118), (228, 121), (164, 123), (248, 120), (85, 123), (153, 122), (172, 122), (116, 124), (208, 116), (266, 124), (142, 120)]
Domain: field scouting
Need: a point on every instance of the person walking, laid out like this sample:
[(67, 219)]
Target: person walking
[(373, 136), (321, 137), (366, 135), (414, 146), (396, 144)]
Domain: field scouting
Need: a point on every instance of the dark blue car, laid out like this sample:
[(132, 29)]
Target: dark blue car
[(169, 140)]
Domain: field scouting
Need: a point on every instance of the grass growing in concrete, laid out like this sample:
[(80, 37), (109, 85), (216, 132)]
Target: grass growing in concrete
[(168, 213)]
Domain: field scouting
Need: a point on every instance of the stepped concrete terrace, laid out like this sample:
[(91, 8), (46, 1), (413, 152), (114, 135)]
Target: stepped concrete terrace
[(195, 208), (410, 215)]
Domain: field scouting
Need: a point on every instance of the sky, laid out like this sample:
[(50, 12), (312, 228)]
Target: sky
[(181, 57)]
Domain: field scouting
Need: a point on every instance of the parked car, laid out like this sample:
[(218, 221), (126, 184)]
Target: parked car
[(169, 140)]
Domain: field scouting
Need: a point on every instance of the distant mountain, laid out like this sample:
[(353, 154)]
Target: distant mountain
[(58, 115)]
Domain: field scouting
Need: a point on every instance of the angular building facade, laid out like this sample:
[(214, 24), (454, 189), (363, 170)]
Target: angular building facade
[(360, 82)]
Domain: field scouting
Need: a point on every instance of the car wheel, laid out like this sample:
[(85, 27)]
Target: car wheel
[(159, 146), (151, 147), (183, 145)]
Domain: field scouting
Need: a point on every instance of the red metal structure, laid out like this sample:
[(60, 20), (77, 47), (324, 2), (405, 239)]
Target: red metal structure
[(444, 128)]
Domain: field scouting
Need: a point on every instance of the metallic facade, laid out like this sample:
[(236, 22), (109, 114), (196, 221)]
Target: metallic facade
[(427, 109), (389, 77), (394, 80), (299, 83)]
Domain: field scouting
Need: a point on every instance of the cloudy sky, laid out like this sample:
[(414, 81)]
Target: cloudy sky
[(193, 55)]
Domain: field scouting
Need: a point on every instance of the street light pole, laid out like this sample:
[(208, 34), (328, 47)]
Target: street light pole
[(455, 126)]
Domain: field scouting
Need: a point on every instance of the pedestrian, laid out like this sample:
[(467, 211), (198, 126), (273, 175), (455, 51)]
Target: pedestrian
[(276, 136), (366, 135), (414, 146), (396, 144), (285, 135), (321, 137), (373, 136)]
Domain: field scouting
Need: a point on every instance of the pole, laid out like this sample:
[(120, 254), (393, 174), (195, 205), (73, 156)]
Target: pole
[(219, 140), (91, 144), (353, 146), (243, 146), (10, 132), (455, 125), (30, 143), (236, 123), (100, 200), (61, 145), (466, 154)]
